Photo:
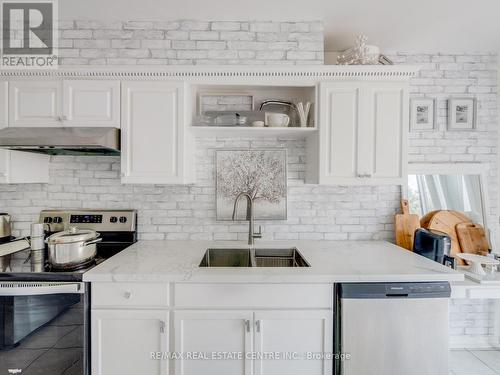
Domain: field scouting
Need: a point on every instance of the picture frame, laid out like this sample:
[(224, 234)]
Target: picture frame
[(462, 114), (270, 202), (423, 114)]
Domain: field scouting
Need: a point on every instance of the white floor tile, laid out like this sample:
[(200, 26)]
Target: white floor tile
[(463, 362), (490, 357)]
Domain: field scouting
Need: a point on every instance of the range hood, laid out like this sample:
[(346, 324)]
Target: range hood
[(62, 141)]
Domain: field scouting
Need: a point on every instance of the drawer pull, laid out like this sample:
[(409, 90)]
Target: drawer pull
[(127, 295), (162, 326)]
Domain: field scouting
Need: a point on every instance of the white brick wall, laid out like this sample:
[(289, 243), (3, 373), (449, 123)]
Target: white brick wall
[(190, 42), (188, 212), (444, 76)]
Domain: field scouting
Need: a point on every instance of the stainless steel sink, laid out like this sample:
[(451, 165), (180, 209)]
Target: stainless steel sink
[(226, 258), (289, 257), (279, 258)]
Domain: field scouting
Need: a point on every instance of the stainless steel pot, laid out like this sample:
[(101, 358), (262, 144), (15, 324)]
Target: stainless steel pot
[(5, 227), (72, 247)]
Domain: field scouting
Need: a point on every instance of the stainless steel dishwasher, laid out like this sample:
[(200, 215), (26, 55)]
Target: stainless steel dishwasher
[(393, 328)]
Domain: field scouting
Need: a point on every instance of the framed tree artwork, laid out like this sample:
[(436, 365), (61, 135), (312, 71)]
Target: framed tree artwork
[(261, 173)]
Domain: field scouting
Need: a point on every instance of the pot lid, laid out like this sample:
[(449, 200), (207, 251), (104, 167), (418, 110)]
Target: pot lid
[(71, 235)]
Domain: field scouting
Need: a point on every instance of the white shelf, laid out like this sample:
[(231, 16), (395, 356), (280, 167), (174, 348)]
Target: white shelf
[(248, 131)]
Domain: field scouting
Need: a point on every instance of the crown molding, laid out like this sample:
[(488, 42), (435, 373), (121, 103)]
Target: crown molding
[(222, 71)]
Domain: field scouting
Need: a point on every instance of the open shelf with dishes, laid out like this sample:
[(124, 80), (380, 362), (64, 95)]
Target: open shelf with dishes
[(253, 110)]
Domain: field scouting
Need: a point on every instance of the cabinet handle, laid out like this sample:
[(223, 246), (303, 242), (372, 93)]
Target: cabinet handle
[(127, 295), (258, 325), (162, 326), (247, 325)]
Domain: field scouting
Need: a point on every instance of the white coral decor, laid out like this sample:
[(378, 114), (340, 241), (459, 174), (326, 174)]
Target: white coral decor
[(360, 54)]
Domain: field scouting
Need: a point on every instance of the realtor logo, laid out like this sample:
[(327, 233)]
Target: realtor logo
[(29, 34)]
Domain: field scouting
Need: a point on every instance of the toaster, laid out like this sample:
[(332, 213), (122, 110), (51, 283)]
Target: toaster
[(432, 244)]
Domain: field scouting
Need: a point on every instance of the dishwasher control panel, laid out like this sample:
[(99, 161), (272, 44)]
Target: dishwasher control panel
[(438, 289)]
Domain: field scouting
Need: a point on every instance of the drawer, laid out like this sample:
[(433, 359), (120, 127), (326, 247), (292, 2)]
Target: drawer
[(254, 296), (130, 294)]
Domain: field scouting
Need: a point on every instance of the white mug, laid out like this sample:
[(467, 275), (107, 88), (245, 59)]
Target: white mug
[(277, 119)]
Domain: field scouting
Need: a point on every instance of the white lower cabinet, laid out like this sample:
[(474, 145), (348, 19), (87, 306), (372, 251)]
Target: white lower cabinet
[(213, 331), (270, 342), (123, 341), (299, 337), (129, 322)]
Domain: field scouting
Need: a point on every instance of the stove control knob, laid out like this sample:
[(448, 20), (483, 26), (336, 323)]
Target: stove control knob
[(123, 219), (113, 219), (47, 220)]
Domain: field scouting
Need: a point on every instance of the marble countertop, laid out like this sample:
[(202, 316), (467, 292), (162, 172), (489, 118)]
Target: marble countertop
[(331, 261)]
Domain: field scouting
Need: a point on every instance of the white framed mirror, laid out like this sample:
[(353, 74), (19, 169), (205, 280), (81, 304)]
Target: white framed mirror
[(460, 187)]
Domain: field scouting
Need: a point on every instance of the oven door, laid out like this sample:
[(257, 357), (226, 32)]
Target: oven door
[(43, 328)]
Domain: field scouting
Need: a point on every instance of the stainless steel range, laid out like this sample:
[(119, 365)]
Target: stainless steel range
[(44, 316)]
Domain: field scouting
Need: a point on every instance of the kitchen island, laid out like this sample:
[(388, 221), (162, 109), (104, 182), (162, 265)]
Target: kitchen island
[(154, 310)]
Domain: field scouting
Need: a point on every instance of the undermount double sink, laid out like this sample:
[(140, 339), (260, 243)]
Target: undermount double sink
[(250, 257)]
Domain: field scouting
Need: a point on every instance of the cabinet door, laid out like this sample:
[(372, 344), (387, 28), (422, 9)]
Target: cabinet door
[(293, 333), (213, 331), (339, 122), (35, 103), (152, 132), (123, 340), (363, 132), (383, 134), (91, 103)]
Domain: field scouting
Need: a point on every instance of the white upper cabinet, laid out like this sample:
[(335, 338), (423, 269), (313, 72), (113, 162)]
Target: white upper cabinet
[(363, 131), (16, 166), (64, 103), (155, 146), (91, 103), (35, 103)]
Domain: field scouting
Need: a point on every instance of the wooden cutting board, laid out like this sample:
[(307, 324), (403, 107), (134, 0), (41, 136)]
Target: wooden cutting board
[(446, 221), (406, 225), (472, 238)]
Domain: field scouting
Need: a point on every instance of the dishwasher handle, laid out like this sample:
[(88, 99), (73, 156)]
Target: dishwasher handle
[(397, 291), (438, 289)]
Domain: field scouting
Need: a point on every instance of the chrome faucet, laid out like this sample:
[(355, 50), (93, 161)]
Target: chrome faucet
[(251, 235)]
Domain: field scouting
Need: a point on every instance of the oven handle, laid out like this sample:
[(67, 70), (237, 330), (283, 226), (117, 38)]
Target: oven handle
[(39, 288)]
